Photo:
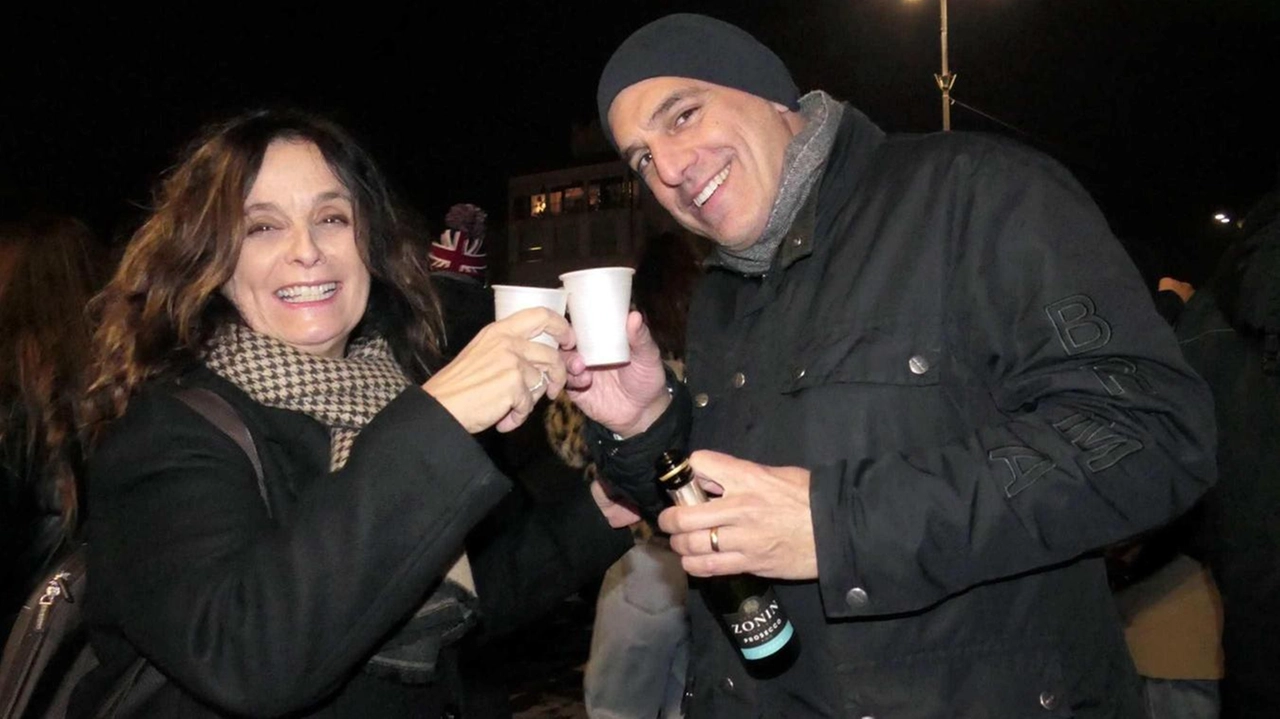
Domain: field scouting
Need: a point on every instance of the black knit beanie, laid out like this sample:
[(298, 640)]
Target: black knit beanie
[(700, 48)]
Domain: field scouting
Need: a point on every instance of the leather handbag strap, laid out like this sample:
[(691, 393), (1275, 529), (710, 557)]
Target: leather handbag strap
[(214, 408), (26, 653)]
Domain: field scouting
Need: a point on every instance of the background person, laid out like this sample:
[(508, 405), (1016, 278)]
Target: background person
[(49, 267), (459, 269), (640, 640), (1230, 334)]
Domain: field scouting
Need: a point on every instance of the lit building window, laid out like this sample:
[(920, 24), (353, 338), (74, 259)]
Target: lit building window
[(575, 199), (556, 197), (537, 205), (593, 197)]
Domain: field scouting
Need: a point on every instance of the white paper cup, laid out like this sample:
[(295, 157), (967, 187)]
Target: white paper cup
[(599, 300), (510, 299)]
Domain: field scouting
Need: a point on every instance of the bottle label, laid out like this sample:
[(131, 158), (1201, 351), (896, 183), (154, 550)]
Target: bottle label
[(760, 627)]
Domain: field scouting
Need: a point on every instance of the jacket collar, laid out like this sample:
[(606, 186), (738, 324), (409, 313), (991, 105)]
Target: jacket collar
[(856, 142)]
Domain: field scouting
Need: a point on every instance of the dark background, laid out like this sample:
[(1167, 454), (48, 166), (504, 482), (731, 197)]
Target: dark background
[(1161, 107)]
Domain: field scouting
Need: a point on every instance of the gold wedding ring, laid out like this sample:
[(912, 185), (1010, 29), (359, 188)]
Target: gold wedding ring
[(715, 539)]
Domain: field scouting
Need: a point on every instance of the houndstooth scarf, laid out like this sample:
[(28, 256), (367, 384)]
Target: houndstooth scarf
[(344, 394)]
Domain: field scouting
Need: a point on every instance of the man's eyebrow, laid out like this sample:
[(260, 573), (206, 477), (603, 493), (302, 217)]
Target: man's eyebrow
[(671, 101), (664, 107)]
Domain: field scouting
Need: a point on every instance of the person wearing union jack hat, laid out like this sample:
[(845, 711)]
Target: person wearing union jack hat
[(460, 251), (459, 269)]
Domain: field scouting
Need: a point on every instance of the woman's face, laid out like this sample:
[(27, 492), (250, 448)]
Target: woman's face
[(299, 277)]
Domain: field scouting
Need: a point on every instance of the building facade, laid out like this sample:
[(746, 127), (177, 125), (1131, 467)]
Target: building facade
[(593, 215)]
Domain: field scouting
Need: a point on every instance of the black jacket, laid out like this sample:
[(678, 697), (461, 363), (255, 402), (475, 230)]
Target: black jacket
[(252, 615), (31, 529), (1243, 510), (953, 343)]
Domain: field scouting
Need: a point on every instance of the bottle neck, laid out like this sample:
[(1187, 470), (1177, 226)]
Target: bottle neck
[(688, 493), (675, 476)]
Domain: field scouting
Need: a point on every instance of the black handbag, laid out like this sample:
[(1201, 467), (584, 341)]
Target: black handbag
[(47, 652)]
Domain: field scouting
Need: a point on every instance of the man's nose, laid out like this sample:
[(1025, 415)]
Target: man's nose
[(672, 161)]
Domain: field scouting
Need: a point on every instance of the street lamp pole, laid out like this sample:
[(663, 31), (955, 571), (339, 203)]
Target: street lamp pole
[(945, 80)]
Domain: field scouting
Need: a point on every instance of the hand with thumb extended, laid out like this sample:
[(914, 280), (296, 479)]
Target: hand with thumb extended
[(627, 398)]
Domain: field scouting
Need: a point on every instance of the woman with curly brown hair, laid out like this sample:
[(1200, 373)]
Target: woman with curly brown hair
[(49, 267), (277, 271)]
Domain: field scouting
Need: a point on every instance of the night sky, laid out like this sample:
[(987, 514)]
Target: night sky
[(1161, 107)]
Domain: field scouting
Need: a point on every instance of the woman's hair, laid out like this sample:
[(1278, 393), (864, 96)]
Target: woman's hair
[(49, 268), (164, 303), (667, 269)]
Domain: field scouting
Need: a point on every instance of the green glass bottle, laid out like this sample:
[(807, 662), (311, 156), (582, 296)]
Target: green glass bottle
[(747, 606)]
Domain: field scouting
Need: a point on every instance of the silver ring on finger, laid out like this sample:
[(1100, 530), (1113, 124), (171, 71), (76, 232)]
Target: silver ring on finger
[(542, 382)]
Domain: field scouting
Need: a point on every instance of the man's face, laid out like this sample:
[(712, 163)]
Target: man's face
[(711, 155)]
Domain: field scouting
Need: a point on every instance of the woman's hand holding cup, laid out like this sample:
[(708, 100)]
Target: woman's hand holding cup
[(502, 373)]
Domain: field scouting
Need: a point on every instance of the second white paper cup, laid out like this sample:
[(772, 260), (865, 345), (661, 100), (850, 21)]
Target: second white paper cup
[(510, 299), (599, 300)]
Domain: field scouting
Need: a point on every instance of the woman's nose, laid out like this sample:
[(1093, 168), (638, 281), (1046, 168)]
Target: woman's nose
[(303, 248)]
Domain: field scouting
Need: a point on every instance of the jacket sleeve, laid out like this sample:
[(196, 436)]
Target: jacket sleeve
[(541, 553), (627, 465), (259, 617), (1096, 428)]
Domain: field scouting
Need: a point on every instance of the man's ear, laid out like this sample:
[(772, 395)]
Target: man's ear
[(795, 121)]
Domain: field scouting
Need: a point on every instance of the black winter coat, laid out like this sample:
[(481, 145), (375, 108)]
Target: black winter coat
[(1243, 510), (953, 343), (31, 529), (247, 614)]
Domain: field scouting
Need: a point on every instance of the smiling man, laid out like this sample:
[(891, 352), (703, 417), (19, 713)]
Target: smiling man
[(924, 379)]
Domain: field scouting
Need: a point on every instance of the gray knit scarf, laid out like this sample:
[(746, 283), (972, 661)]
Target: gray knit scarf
[(344, 394), (802, 165)]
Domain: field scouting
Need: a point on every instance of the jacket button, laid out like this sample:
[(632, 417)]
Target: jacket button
[(739, 379), (1048, 700), (797, 240), (918, 364), (701, 399), (727, 684), (856, 598), (798, 374)]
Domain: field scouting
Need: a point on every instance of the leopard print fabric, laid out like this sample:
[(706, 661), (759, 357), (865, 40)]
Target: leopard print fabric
[(564, 424)]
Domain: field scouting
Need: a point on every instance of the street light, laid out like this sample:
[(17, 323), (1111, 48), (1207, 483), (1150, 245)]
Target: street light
[(945, 79)]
